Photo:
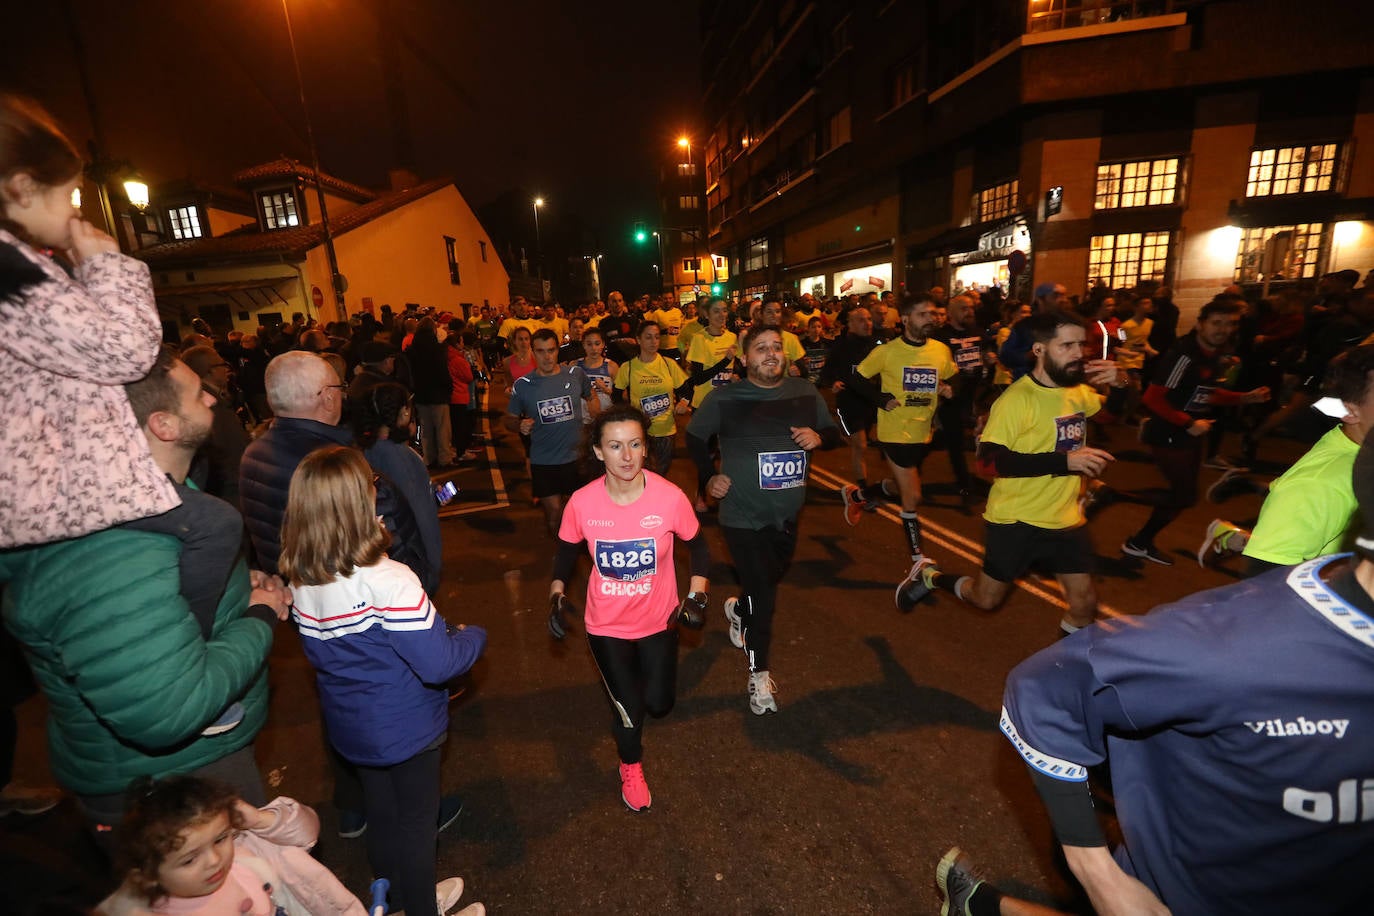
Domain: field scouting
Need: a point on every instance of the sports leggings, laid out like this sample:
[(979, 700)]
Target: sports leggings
[(761, 559), (640, 676)]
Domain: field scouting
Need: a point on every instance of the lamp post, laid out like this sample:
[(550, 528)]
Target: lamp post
[(336, 280), (538, 248), (685, 143)]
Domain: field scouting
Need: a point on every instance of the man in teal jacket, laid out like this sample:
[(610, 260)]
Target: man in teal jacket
[(130, 679)]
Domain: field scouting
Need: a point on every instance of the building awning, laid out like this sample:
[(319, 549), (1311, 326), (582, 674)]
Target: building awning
[(833, 259), (1253, 213), (964, 238), (258, 291)]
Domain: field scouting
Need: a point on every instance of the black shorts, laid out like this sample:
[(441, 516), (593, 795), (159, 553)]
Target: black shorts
[(1009, 550), (855, 419), (905, 454), (555, 479)]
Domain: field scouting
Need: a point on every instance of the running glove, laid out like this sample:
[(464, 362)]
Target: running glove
[(559, 609), (691, 613)]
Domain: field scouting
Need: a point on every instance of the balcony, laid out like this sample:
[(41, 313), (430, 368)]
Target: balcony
[(1052, 15)]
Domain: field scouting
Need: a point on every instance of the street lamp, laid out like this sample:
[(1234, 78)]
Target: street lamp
[(538, 248), (685, 143), (137, 193)]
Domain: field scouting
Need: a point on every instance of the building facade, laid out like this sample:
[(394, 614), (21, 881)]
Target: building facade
[(970, 143), (255, 257)]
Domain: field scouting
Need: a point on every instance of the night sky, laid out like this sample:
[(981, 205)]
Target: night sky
[(576, 101)]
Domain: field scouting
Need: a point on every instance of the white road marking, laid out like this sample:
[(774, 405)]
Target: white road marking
[(1048, 591)]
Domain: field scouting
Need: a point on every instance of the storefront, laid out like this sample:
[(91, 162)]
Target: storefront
[(989, 264), (813, 285), (874, 278)]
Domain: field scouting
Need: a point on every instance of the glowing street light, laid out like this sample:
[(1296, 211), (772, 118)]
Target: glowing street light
[(137, 192), (538, 248)]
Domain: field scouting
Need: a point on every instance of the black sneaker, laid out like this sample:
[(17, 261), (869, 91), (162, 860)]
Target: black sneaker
[(1148, 552), (957, 882)]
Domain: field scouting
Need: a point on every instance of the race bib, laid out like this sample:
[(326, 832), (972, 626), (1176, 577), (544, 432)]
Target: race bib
[(720, 379), (782, 470), (656, 405), (968, 356), (673, 331), (1201, 399), (919, 379), (556, 410), (627, 561), (1070, 432)]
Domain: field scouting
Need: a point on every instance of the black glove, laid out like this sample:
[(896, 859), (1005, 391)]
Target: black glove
[(691, 613), (559, 606)]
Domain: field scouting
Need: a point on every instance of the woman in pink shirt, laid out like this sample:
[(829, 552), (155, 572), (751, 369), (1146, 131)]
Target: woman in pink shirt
[(629, 519)]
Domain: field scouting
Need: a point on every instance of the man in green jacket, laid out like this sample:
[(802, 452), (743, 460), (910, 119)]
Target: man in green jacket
[(131, 682)]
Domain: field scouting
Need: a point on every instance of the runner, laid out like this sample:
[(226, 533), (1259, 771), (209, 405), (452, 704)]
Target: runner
[(651, 383), (967, 345), (913, 372), (600, 369), (1240, 725), (771, 316), (1035, 444), (670, 319), (713, 348), (1315, 490), (629, 518), (855, 412), (547, 405), (766, 424)]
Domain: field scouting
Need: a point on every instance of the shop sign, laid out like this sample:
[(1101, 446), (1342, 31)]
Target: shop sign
[(997, 244)]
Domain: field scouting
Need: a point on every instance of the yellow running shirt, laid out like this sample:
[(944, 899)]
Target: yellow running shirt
[(1032, 419), (707, 351), (912, 375), (671, 322), (649, 386)]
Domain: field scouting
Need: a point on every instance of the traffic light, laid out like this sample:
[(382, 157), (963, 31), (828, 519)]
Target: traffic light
[(641, 232), (715, 289)]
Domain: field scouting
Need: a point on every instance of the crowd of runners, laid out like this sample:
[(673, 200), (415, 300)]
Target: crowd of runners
[(237, 481)]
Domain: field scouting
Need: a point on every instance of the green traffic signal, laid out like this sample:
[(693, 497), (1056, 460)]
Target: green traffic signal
[(715, 289), (641, 236)]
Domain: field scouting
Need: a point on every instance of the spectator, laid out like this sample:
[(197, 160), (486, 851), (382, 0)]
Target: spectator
[(433, 391), (460, 417), (216, 468), (69, 343)]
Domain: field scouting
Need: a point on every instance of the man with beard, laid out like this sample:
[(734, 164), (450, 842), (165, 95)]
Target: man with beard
[(767, 426), (912, 372), (1035, 444), (771, 316)]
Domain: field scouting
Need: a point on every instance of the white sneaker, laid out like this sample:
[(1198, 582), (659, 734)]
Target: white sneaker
[(446, 894), (736, 625), (761, 690)]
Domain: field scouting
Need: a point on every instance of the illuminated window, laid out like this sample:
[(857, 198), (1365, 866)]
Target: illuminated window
[(1144, 183), (279, 210), (1123, 261), (691, 265), (997, 201), (1282, 252), (1292, 170), (686, 169), (757, 254), (688, 202), (185, 222)]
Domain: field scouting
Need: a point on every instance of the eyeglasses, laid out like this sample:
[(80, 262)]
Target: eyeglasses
[(327, 387)]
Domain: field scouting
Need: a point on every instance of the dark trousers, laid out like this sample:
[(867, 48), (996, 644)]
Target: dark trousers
[(761, 559), (461, 421), (402, 803), (640, 676), (955, 415), (1180, 467), (661, 453)]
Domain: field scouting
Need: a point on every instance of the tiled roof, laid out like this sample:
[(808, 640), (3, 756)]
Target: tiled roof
[(249, 243), (290, 168)]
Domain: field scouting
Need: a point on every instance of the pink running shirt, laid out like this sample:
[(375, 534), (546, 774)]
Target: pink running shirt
[(633, 588)]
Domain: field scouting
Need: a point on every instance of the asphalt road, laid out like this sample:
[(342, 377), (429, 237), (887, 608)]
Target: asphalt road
[(884, 753)]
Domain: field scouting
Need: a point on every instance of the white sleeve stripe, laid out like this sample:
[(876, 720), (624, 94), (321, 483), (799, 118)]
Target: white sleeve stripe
[(1176, 376), (1050, 766)]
